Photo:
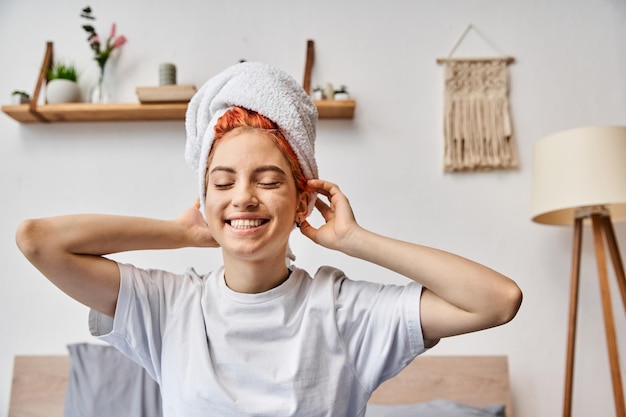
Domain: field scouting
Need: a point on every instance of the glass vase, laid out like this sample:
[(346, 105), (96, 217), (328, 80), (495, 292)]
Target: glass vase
[(99, 92)]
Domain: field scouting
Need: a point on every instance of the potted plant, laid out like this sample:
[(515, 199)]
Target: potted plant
[(20, 97), (62, 86), (341, 93), (317, 94)]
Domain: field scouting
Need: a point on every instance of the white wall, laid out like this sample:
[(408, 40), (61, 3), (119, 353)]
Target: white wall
[(569, 72)]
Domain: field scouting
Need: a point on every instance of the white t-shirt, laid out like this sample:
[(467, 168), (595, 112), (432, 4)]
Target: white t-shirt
[(310, 347)]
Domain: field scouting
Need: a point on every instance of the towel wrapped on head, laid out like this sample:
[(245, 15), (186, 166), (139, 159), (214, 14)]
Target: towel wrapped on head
[(263, 89)]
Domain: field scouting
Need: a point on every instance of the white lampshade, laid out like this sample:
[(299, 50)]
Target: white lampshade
[(578, 168)]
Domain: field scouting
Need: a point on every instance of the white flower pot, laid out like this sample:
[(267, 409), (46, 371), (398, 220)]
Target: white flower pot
[(62, 91), (19, 99), (342, 96)]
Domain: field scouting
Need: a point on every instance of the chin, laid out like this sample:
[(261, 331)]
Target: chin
[(254, 253)]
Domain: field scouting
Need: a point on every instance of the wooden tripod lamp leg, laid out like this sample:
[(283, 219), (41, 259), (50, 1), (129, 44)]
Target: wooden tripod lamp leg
[(607, 309), (573, 310), (618, 265)]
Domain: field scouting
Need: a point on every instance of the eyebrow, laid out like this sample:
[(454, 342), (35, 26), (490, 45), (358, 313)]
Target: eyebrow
[(258, 170)]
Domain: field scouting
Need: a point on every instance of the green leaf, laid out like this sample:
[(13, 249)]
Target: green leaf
[(63, 71), (20, 93)]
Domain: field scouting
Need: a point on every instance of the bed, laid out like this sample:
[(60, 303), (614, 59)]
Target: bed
[(40, 384)]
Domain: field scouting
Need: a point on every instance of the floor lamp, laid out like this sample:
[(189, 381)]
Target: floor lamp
[(579, 176)]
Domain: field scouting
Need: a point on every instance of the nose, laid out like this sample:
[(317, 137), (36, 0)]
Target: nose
[(244, 196)]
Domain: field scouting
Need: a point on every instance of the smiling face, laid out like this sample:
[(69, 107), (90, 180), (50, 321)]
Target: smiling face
[(251, 199)]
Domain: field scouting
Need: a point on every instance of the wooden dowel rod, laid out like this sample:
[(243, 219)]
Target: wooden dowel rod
[(508, 59), (43, 75), (308, 66)]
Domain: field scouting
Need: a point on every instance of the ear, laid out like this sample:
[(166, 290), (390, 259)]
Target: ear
[(302, 209)]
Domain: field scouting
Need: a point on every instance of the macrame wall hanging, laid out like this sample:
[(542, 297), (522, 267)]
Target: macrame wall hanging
[(478, 129)]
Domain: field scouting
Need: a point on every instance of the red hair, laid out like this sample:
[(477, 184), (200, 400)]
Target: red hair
[(239, 117)]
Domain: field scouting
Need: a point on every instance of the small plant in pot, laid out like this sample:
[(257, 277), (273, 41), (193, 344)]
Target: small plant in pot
[(317, 94), (20, 97), (341, 93), (62, 86)]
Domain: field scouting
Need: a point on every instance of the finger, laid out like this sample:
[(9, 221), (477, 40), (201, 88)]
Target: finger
[(322, 207), (307, 230), (323, 187)]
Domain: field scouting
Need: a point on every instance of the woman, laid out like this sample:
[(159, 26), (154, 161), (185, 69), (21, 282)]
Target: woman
[(259, 336)]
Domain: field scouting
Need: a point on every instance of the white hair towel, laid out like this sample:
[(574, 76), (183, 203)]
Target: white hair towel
[(263, 89)]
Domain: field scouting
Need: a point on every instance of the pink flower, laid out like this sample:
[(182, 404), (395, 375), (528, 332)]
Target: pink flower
[(102, 51), (121, 40)]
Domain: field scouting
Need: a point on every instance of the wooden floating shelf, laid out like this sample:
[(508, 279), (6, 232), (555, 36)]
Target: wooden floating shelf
[(88, 112), (335, 109)]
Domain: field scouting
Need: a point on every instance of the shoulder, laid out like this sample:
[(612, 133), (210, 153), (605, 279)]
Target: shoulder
[(346, 287), (333, 276), (328, 276), (329, 273), (341, 285), (346, 290), (134, 276)]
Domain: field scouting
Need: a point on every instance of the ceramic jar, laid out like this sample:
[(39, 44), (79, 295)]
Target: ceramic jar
[(62, 91)]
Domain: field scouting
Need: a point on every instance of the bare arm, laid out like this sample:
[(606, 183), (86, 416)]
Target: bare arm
[(460, 295), (69, 250)]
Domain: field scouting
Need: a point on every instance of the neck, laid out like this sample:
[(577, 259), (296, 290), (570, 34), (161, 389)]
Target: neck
[(254, 277)]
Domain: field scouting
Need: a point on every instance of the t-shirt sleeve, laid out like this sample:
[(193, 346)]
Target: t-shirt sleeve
[(380, 326), (143, 304)]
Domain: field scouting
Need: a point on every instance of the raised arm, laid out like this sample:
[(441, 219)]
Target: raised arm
[(69, 250), (460, 295)]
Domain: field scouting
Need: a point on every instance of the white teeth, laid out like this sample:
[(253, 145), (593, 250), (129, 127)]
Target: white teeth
[(245, 223)]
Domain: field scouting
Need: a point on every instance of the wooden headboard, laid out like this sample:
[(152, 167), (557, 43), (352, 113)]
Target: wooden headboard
[(40, 383), (39, 386), (474, 380)]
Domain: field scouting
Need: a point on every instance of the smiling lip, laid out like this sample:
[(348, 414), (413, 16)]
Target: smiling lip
[(245, 223)]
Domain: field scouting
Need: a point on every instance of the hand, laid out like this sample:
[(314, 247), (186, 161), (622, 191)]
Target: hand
[(340, 222), (191, 219)]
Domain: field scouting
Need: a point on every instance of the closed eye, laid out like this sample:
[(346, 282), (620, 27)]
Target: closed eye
[(272, 184)]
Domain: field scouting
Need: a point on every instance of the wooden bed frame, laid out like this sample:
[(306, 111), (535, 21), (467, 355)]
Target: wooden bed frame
[(40, 383), (473, 380)]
